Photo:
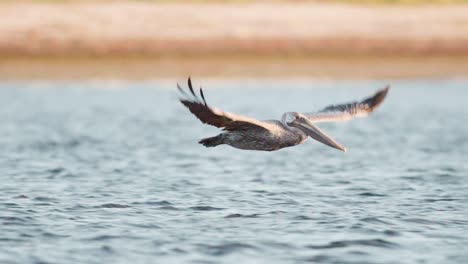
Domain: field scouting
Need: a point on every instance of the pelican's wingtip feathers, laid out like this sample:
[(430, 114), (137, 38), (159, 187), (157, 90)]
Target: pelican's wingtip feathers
[(379, 97)]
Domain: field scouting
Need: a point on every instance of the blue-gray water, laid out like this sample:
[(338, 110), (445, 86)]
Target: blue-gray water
[(111, 172)]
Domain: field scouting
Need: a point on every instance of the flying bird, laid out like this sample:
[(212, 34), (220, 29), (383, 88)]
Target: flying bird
[(293, 129)]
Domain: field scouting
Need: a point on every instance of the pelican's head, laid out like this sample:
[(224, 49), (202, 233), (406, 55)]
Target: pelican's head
[(300, 121), (290, 117)]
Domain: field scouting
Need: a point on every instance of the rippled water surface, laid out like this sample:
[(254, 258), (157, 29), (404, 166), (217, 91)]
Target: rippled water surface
[(111, 172)]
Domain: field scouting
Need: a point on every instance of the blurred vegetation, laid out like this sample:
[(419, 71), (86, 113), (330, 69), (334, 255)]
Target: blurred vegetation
[(375, 2)]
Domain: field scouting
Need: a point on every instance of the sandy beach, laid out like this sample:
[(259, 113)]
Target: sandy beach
[(268, 34), (161, 29)]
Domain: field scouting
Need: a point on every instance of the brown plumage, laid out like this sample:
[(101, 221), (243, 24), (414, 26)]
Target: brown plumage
[(248, 133)]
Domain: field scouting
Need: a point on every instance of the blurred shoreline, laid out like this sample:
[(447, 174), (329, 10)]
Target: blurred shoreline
[(79, 39), (318, 67)]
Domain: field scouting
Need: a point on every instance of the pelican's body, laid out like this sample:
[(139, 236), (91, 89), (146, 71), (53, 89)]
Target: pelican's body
[(276, 136), (293, 128)]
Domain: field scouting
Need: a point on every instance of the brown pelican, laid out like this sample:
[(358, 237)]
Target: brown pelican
[(251, 134)]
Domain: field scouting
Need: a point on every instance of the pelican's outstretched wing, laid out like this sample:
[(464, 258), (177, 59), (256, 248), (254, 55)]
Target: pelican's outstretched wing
[(214, 116), (345, 112)]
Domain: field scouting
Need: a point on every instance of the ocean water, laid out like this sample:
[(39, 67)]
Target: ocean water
[(111, 172)]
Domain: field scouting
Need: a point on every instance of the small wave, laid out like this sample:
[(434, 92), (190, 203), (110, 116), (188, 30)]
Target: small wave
[(205, 208), (147, 225), (343, 182), (287, 202), (302, 217), (357, 252), (188, 165), (242, 216), (56, 171), (45, 199), (77, 207), (419, 170), (225, 248), (178, 250), (321, 258), (391, 233), (449, 169), (276, 212), (164, 202), (203, 261), (109, 237), (50, 145), (107, 249), (169, 207), (103, 237), (12, 219), (375, 220), (112, 205), (59, 172), (26, 235), (360, 242), (440, 200), (10, 239), (52, 235), (443, 175), (412, 178), (11, 205), (279, 245), (371, 194), (422, 221)]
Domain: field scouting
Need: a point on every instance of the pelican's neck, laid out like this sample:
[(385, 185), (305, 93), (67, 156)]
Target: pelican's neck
[(288, 117), (283, 119)]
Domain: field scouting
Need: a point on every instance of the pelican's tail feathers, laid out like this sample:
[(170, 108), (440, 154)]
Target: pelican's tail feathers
[(212, 141)]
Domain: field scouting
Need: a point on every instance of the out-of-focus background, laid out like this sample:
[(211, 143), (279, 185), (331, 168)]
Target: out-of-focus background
[(229, 38), (99, 162)]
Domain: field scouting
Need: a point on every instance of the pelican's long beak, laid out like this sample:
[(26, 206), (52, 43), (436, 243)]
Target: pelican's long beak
[(314, 132)]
